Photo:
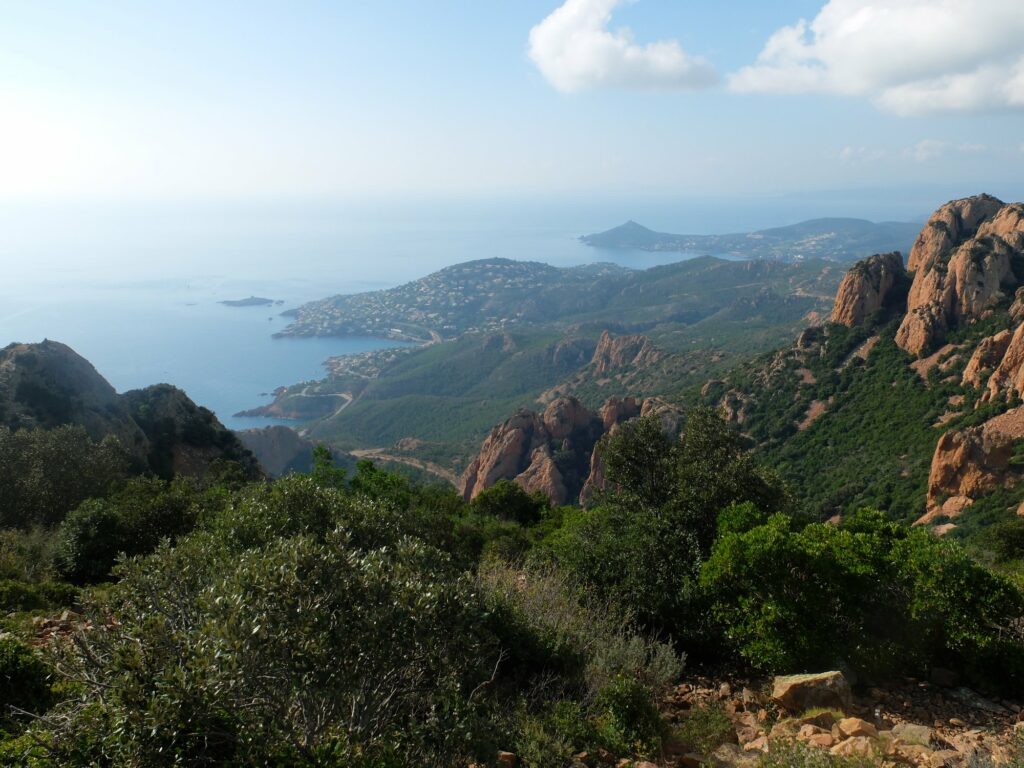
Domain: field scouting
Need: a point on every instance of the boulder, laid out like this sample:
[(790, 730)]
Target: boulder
[(854, 726), (798, 693), (912, 733)]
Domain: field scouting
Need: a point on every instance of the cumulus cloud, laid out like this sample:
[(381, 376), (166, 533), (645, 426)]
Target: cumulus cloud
[(574, 50), (908, 56), (930, 149)]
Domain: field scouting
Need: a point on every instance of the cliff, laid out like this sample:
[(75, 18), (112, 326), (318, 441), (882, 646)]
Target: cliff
[(615, 352), (48, 384), (973, 462), (553, 451), (876, 283), (968, 259)]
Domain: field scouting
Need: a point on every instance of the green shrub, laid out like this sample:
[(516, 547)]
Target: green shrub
[(306, 648), (869, 593), (627, 720), (19, 596), (24, 681), (705, 729), (508, 501), (549, 624)]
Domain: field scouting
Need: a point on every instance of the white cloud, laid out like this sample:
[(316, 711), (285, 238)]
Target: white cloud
[(930, 149), (574, 50), (908, 56), (851, 155)]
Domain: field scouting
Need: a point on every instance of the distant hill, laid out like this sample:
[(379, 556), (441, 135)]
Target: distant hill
[(539, 329), (496, 295), (834, 239), (48, 384)]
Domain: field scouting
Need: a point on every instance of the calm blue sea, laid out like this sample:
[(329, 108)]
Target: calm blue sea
[(135, 288)]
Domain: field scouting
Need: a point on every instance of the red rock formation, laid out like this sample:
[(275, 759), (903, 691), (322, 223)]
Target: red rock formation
[(987, 355), (621, 351), (970, 463), (522, 449), (963, 266), (870, 285)]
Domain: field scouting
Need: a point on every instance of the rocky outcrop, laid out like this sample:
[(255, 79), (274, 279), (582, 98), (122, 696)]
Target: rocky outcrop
[(953, 223), (1008, 376), (987, 356), (970, 463), (523, 449), (799, 693), (968, 258), (614, 352), (553, 451), (878, 282)]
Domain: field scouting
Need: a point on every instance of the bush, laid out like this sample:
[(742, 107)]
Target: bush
[(548, 624), (24, 681), (705, 729), (304, 649), (507, 500), (868, 592), (19, 596)]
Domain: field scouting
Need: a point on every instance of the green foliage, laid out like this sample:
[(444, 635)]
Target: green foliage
[(868, 593), (507, 500), (643, 546), (705, 729), (304, 649), (550, 624), (132, 521), (627, 720), (24, 682), (44, 474), (18, 596)]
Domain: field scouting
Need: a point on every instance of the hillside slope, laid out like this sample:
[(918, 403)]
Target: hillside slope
[(48, 384)]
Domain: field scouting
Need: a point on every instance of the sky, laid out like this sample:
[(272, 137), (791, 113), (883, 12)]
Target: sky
[(107, 101)]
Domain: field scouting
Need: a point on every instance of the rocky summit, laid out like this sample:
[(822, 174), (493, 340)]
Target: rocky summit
[(968, 258)]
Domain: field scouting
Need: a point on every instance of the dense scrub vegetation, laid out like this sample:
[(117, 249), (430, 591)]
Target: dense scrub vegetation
[(362, 619)]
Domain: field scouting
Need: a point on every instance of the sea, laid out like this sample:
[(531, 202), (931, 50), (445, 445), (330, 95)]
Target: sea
[(136, 287)]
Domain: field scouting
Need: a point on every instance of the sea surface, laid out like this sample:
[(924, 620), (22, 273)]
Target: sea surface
[(135, 288)]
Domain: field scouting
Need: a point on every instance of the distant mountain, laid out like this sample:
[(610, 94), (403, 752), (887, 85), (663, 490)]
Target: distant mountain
[(48, 384), (496, 295), (835, 239)]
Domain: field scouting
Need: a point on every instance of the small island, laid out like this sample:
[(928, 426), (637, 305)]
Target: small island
[(252, 301)]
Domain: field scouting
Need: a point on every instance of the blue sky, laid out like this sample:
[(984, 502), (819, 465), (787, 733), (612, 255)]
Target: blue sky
[(105, 101)]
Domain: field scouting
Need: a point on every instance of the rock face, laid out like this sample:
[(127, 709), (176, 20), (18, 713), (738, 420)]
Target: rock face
[(970, 463), (553, 451), (987, 356), (614, 352), (523, 449), (48, 384), (968, 258), (878, 282), (798, 693)]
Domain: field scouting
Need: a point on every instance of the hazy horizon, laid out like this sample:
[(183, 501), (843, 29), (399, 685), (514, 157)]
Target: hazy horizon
[(265, 103)]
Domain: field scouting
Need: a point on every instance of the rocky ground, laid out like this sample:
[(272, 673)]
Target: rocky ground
[(915, 723)]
